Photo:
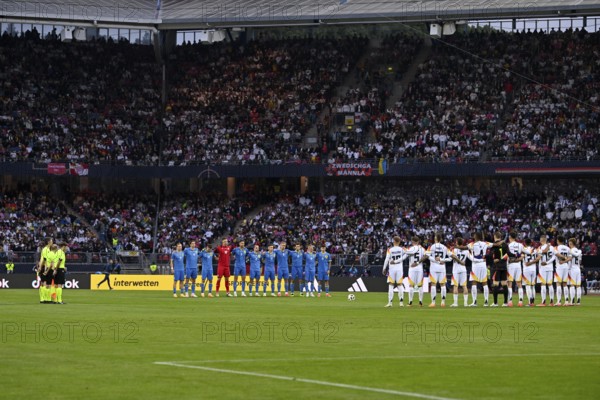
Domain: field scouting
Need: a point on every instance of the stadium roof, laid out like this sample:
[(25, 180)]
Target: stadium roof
[(194, 14)]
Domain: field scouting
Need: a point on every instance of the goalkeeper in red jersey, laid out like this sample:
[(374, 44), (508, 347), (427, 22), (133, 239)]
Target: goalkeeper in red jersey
[(223, 254)]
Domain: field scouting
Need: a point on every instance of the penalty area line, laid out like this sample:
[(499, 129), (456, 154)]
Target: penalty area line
[(303, 380)]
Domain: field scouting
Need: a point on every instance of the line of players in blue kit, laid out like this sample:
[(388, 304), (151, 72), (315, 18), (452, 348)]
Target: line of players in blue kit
[(273, 264)]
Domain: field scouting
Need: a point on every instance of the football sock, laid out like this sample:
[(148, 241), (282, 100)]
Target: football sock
[(474, 292), (486, 292), (520, 291), (466, 299), (444, 292), (551, 292), (59, 294), (505, 293), (433, 293), (401, 292), (390, 293), (543, 290), (496, 290), (558, 293)]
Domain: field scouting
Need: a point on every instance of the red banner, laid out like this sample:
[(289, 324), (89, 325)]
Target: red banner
[(57, 168), (349, 169)]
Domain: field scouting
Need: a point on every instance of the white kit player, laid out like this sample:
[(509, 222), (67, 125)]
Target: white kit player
[(575, 272), (515, 265), (530, 265), (460, 255), (437, 254), (546, 257), (415, 254), (393, 267), (479, 273), (563, 256)]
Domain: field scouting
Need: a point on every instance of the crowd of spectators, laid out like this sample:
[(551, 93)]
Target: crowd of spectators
[(87, 101), (28, 219), (479, 96), (252, 103), (362, 223), (385, 64), (556, 112), (356, 224), (449, 111)]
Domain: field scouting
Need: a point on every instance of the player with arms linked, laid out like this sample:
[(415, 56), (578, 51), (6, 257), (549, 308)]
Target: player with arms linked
[(178, 270)]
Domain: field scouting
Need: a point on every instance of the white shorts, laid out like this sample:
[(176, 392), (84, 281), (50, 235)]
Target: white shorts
[(529, 275), (479, 273), (514, 272), (395, 275), (459, 278), (415, 276), (437, 275), (562, 273), (574, 276), (545, 276)]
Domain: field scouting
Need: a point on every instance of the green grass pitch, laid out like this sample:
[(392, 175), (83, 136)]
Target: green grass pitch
[(149, 345)]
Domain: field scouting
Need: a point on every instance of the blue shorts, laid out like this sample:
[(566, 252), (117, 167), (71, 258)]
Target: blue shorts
[(255, 273), (309, 275), (191, 273), (283, 273), (179, 275), (269, 274), (297, 272), (239, 271), (322, 276), (207, 274)]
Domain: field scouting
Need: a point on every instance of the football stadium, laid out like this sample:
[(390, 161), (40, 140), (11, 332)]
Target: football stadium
[(269, 199)]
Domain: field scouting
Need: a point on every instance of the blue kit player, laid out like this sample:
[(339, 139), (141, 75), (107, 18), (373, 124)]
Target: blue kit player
[(283, 269), (178, 270), (191, 267), (309, 270), (324, 261), (207, 256), (297, 258), (239, 267), (255, 260), (269, 258)]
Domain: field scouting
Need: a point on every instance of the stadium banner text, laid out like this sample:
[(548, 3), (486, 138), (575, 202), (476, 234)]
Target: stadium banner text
[(29, 281), (165, 282)]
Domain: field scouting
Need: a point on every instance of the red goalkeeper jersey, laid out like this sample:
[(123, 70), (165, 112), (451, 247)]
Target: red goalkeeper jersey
[(224, 253)]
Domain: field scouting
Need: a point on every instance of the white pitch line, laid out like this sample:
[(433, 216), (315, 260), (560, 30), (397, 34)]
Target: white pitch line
[(313, 381), (423, 356)]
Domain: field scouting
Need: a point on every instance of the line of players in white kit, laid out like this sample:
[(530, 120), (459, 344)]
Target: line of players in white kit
[(512, 262)]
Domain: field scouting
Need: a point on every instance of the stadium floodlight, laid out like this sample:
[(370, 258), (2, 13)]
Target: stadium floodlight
[(449, 28), (435, 31)]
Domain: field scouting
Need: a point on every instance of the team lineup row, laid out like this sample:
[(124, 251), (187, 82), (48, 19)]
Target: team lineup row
[(512, 262), (306, 266)]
